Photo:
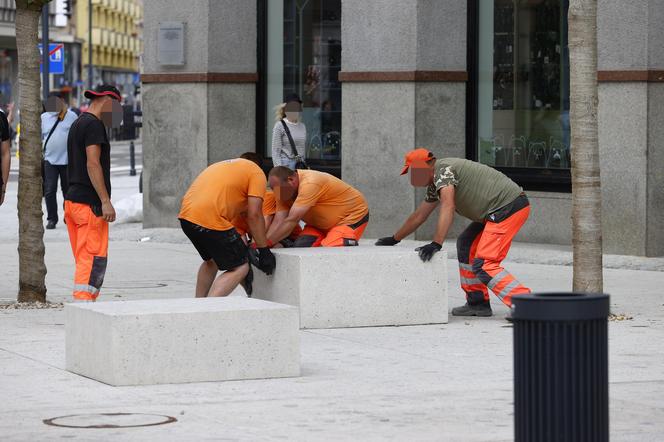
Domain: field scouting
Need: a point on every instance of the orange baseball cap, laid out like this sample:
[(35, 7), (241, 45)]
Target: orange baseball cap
[(419, 154)]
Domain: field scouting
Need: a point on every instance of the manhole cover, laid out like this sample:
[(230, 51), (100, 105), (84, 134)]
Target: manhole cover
[(109, 420), (129, 285)]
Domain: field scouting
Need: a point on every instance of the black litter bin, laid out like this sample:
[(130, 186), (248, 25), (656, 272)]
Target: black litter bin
[(561, 379)]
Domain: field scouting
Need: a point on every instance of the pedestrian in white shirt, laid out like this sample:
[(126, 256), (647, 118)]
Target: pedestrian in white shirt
[(289, 134), (55, 123)]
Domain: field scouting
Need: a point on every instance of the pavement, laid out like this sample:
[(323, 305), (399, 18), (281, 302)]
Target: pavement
[(447, 382)]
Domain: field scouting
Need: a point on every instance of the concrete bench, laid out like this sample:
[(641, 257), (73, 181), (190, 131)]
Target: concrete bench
[(358, 286), (182, 340)]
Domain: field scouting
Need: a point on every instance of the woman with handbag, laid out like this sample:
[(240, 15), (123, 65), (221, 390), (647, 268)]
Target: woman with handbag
[(289, 134)]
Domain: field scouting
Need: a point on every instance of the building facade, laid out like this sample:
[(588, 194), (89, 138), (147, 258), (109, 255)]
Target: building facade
[(61, 31), (486, 80), (116, 41)]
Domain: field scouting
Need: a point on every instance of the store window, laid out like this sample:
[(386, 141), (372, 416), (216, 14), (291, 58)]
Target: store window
[(303, 50), (523, 86)]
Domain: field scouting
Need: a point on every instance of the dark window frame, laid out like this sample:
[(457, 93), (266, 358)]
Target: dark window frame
[(330, 166), (549, 180)]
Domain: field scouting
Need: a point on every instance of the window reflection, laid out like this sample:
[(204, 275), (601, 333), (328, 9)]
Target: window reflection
[(524, 84), (304, 57)]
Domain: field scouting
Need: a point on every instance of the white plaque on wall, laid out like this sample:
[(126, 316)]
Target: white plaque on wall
[(171, 43)]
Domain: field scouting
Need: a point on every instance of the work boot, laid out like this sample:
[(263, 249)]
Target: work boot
[(50, 225), (483, 310), (247, 282)]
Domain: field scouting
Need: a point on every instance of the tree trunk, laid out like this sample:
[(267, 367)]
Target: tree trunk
[(586, 187), (32, 269)]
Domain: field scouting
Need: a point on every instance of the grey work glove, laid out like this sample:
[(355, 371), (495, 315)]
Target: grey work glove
[(387, 241), (427, 252)]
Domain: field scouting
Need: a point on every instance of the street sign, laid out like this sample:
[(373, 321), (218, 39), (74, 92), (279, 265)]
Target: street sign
[(56, 58)]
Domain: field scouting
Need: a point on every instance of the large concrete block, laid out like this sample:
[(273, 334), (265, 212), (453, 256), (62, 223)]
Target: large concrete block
[(182, 340), (362, 286)]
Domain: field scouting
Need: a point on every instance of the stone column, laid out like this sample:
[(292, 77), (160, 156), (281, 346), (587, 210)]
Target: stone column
[(631, 101), (200, 112), (404, 83)]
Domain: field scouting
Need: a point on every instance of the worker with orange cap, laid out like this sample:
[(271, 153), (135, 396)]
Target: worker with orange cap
[(495, 204)]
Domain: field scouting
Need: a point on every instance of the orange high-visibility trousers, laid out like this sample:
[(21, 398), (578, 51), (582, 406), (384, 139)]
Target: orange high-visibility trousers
[(480, 249), (88, 235), (338, 236)]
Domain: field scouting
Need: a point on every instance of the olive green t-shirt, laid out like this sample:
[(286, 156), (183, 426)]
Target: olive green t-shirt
[(480, 189)]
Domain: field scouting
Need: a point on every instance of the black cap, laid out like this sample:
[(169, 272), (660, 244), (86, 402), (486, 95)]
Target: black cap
[(104, 89), (292, 97)]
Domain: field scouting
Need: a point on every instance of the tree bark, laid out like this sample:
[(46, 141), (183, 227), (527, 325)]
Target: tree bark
[(32, 268), (586, 186)]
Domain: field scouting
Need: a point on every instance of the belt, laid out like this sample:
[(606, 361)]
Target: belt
[(498, 215), (364, 220)]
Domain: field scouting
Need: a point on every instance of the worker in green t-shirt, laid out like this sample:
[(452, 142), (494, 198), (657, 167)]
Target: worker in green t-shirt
[(495, 204)]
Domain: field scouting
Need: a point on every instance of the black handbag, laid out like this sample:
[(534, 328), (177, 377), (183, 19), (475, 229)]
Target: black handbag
[(300, 163)]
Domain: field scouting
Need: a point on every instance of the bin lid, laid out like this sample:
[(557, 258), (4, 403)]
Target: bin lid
[(560, 306)]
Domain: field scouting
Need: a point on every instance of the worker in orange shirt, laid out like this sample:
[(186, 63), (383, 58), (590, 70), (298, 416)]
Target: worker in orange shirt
[(335, 213), (221, 193), (269, 210)]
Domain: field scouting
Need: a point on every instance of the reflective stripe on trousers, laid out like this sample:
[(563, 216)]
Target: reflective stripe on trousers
[(88, 235), (481, 248)]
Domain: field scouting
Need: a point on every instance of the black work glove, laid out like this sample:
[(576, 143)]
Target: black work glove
[(427, 252), (253, 257), (266, 261), (387, 241), (287, 243)]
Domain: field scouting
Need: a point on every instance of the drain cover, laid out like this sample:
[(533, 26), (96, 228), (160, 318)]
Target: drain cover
[(109, 420)]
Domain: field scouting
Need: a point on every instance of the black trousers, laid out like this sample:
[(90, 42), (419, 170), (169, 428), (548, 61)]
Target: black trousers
[(51, 174)]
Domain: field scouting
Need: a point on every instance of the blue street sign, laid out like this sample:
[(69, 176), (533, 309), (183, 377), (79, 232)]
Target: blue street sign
[(56, 58)]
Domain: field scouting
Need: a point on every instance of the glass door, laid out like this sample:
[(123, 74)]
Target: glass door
[(304, 57)]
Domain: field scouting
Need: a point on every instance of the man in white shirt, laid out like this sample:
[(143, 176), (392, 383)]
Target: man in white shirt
[(55, 123)]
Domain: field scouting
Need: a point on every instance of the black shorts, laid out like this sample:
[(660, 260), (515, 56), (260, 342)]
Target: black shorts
[(225, 247)]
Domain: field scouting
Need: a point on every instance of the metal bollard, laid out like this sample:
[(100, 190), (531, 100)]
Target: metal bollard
[(132, 159), (561, 379)]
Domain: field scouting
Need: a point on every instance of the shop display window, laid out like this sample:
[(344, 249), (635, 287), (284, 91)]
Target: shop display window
[(303, 56), (522, 81)]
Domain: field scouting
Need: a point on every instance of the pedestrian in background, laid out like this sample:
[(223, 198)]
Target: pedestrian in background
[(88, 208), (289, 134), (5, 155), (55, 124)]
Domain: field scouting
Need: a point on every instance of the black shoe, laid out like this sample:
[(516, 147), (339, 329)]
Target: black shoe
[(50, 225), (247, 282), (509, 318), (483, 310)]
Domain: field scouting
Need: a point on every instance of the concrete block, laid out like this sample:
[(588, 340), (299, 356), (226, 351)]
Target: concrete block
[(363, 286), (171, 341)]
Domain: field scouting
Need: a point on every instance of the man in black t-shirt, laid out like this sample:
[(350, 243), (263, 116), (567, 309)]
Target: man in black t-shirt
[(5, 155), (88, 208)]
